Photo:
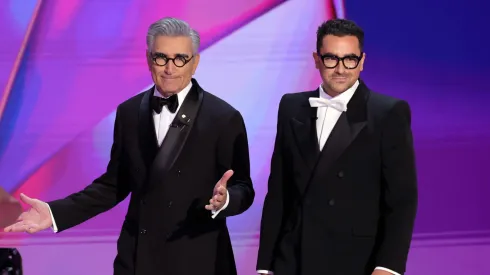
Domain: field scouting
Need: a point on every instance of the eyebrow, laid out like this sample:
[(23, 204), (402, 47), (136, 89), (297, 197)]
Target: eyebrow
[(349, 54), (176, 55)]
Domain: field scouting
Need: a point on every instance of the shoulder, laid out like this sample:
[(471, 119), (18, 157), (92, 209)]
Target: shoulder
[(216, 104), (291, 102), (297, 98), (384, 106), (133, 103), (217, 111)]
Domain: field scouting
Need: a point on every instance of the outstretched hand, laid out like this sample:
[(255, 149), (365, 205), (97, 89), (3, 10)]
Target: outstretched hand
[(37, 218), (220, 192)]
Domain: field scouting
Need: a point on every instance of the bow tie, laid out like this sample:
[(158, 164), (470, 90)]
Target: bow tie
[(323, 102), (157, 103)]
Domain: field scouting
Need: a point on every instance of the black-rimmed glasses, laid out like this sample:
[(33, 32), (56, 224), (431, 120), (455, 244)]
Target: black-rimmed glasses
[(349, 61), (162, 60)]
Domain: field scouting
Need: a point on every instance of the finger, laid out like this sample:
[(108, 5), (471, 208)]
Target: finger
[(216, 188), (226, 176), (24, 198), (217, 204), (16, 227), (222, 190), (218, 198), (210, 206)]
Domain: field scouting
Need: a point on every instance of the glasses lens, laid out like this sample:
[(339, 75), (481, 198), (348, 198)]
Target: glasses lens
[(160, 61), (350, 62), (179, 61), (330, 61)]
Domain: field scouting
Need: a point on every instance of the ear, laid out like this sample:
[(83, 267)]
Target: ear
[(317, 60), (361, 64), (195, 63), (148, 59)]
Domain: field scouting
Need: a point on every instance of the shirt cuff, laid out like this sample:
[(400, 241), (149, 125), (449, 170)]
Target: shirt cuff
[(214, 212), (387, 270), (54, 227), (264, 272)]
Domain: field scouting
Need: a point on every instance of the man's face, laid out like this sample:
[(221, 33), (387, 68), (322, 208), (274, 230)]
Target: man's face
[(337, 78), (172, 77)]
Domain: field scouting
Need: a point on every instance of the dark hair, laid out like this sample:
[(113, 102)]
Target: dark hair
[(339, 27)]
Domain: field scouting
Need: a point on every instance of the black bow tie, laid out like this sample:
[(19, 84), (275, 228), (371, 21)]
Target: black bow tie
[(157, 103)]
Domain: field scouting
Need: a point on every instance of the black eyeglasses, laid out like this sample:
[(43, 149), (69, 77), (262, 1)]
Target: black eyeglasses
[(350, 61), (162, 60)]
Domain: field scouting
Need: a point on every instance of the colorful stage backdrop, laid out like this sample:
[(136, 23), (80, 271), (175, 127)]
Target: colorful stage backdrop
[(66, 65)]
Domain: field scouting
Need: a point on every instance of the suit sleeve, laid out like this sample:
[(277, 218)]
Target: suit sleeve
[(233, 154), (400, 189), (272, 212), (104, 193)]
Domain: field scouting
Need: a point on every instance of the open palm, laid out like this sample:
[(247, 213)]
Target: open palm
[(37, 218), (220, 192)]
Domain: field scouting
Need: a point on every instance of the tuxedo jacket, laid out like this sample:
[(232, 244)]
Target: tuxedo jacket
[(167, 229), (347, 208)]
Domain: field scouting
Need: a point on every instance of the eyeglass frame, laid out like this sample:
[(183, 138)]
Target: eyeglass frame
[(323, 56), (161, 55)]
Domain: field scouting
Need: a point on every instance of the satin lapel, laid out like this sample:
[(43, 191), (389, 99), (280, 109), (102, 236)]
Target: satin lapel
[(347, 128), (304, 129), (177, 133), (146, 131)]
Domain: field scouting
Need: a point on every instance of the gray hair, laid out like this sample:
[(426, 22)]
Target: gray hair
[(169, 26)]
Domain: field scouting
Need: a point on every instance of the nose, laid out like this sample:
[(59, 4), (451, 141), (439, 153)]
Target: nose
[(340, 69), (169, 68)]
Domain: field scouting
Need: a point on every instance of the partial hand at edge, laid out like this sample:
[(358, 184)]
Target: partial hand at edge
[(36, 219), (10, 208)]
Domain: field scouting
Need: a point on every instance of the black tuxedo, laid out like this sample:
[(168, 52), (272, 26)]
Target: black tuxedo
[(167, 230), (350, 207)]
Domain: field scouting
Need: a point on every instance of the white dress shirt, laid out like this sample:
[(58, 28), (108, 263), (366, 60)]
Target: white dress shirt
[(162, 123), (327, 118)]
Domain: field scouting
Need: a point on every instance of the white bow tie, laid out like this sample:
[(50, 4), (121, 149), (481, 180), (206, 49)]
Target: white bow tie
[(323, 102)]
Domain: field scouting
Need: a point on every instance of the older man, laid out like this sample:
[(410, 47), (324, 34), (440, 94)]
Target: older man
[(182, 153)]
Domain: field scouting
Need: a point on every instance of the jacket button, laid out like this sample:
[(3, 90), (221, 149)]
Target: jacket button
[(178, 173), (143, 202), (331, 202), (143, 231), (340, 174), (170, 204)]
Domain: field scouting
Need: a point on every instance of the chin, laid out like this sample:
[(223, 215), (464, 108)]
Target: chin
[(169, 88), (340, 88)]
